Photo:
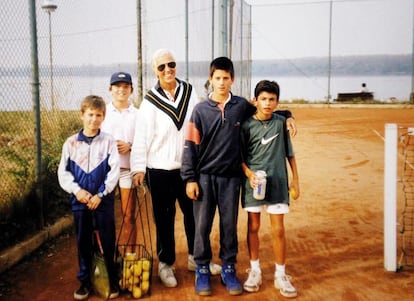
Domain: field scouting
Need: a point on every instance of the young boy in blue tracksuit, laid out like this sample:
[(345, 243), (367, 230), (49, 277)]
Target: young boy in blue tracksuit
[(89, 171), (211, 168)]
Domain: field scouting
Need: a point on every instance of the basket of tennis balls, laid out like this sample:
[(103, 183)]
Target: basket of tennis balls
[(136, 271)]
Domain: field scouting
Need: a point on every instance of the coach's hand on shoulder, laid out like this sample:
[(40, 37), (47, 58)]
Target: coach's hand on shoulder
[(291, 126)]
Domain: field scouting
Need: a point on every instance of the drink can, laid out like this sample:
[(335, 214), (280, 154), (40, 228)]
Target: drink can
[(260, 191)]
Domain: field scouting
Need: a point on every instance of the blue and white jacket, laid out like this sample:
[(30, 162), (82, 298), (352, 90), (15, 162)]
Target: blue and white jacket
[(92, 165)]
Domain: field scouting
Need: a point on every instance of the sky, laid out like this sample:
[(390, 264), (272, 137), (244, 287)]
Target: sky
[(281, 29), (96, 32), (300, 28)]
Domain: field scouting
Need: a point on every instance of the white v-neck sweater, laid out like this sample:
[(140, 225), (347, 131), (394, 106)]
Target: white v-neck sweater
[(157, 142)]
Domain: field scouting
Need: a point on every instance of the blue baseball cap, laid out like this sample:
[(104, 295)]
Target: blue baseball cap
[(121, 77)]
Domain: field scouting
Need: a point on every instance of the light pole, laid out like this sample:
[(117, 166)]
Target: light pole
[(412, 67), (49, 6), (328, 97)]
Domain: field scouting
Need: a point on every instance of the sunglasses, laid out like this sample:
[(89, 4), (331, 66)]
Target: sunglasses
[(170, 65)]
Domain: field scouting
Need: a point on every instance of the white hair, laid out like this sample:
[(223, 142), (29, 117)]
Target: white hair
[(157, 54)]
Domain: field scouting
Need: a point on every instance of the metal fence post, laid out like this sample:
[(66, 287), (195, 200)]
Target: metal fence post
[(36, 105)]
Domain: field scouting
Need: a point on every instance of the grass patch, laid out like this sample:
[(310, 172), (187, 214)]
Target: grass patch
[(20, 207)]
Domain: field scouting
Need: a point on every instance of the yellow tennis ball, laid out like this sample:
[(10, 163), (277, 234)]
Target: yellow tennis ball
[(146, 264), (131, 256), (135, 280), (293, 193), (137, 268), (145, 276), (144, 286), (127, 273), (136, 292)]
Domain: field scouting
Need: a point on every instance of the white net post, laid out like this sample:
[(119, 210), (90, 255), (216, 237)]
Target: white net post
[(390, 197)]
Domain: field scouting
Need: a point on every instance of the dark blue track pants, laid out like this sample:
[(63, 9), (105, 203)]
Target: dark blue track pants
[(105, 223), (224, 193)]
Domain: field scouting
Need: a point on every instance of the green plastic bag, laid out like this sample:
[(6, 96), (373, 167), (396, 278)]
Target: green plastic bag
[(100, 277)]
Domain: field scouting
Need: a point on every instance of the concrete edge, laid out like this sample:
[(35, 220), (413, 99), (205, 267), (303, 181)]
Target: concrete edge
[(14, 254)]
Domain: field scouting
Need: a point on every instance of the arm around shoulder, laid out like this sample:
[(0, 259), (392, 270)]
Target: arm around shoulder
[(290, 121)]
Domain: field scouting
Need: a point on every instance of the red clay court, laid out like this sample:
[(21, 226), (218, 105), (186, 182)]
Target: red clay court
[(334, 230)]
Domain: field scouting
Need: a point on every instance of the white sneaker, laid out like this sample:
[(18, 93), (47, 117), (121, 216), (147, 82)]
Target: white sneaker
[(215, 269), (253, 282), (166, 274), (285, 287)]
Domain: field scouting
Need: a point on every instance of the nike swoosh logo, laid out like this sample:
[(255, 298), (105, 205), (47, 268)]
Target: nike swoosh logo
[(267, 141)]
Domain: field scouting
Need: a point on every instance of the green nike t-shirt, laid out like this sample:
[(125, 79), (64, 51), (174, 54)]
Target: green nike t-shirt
[(266, 146)]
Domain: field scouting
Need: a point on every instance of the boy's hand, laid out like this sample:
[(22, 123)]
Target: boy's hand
[(83, 196), (294, 190), (291, 126), (123, 147), (192, 190), (253, 180), (94, 202), (251, 176)]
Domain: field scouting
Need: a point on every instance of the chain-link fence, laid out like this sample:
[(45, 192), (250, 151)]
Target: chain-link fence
[(406, 220), (79, 45)]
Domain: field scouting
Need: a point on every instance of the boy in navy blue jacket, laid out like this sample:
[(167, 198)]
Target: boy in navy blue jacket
[(89, 171), (211, 168)]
